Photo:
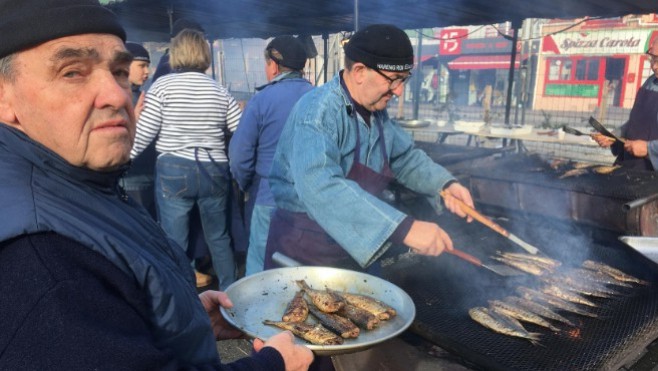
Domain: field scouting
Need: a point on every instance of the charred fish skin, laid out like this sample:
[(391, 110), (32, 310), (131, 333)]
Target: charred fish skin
[(485, 317), (595, 276), (340, 325), (314, 334), (566, 295), (376, 307), (538, 309), (297, 309), (612, 272), (360, 317), (541, 261), (530, 294), (582, 287), (521, 314), (525, 266), (325, 300)]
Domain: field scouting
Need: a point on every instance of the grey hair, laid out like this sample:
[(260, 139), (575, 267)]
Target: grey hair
[(7, 70)]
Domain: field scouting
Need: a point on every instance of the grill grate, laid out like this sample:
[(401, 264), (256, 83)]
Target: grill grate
[(444, 288)]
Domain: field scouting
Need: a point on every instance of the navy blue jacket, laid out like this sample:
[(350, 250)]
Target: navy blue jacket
[(41, 193)]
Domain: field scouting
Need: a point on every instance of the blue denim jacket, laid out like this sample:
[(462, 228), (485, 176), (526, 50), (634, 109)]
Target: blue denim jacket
[(314, 155)]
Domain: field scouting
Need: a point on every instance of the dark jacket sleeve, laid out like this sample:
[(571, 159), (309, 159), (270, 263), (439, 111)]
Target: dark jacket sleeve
[(66, 307)]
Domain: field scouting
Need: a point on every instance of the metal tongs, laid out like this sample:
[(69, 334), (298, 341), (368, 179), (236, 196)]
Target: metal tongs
[(601, 129), (491, 224)]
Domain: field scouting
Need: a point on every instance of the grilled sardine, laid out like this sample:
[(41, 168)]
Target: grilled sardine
[(612, 272), (297, 309), (595, 276), (526, 266), (325, 300), (314, 334), (541, 261), (340, 325), (538, 309), (376, 307), (521, 314), (360, 317), (489, 320), (566, 295), (530, 294)]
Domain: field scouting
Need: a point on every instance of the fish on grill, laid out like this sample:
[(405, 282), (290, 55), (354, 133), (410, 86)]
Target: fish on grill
[(314, 334), (582, 287), (538, 309), (612, 272), (520, 314), (374, 306), (542, 261), (326, 300), (360, 317), (555, 302), (582, 274), (297, 309), (340, 325), (566, 295), (499, 324), (606, 169), (572, 173), (526, 266)]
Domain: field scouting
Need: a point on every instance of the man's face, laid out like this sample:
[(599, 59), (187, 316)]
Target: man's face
[(375, 90), (72, 95), (139, 72)]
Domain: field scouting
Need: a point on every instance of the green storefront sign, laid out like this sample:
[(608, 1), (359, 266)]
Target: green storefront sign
[(567, 90)]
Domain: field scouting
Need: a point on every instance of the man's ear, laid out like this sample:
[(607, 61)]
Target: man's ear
[(7, 114), (359, 72)]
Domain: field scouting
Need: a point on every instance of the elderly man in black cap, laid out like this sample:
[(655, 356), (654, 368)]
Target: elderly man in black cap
[(89, 281), (254, 142), (339, 150)]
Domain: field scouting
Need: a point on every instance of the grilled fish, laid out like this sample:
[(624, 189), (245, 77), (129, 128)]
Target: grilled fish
[(376, 307), (542, 261), (325, 300), (486, 318), (594, 276), (360, 317), (606, 169), (573, 172), (566, 295), (525, 266), (612, 272), (314, 334), (521, 314), (340, 325), (582, 287), (297, 309), (538, 309), (530, 294)]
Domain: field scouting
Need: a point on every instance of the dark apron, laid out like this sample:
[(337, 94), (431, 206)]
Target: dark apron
[(642, 125), (301, 238)]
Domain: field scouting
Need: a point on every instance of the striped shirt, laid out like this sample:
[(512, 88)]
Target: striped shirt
[(185, 111)]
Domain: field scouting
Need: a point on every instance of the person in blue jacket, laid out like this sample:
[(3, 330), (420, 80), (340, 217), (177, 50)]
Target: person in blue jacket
[(253, 145), (89, 280), (339, 150)]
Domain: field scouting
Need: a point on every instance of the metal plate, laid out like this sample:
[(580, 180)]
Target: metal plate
[(265, 295), (647, 246), (414, 123)]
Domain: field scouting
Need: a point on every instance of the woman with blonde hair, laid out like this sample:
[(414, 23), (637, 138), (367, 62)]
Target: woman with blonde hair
[(190, 113)]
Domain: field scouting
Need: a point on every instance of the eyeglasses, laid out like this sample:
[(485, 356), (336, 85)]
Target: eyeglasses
[(396, 82), (653, 59)]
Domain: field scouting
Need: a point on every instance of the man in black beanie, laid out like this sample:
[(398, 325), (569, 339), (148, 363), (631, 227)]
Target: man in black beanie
[(89, 280), (339, 150)]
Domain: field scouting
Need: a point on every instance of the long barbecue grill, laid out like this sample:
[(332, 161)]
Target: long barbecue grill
[(570, 219)]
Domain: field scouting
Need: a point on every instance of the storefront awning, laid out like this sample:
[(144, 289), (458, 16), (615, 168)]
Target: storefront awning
[(482, 62)]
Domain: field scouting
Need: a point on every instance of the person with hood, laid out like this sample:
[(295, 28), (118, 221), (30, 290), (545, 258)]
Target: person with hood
[(89, 280)]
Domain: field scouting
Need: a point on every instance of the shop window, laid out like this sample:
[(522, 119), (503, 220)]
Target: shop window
[(587, 69), (559, 69)]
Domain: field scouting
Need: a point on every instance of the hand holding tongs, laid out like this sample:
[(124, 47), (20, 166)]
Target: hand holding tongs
[(491, 224)]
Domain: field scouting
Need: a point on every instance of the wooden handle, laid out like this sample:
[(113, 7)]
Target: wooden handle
[(476, 215), (468, 257)]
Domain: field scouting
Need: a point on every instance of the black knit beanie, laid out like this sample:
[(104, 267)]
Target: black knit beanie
[(293, 54), (382, 47), (139, 52), (28, 23)]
